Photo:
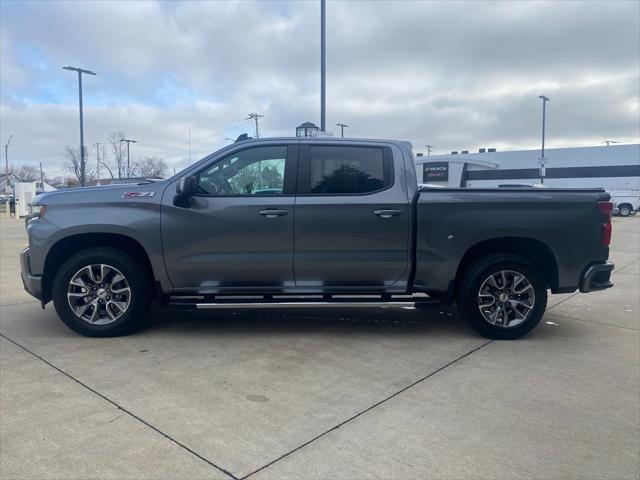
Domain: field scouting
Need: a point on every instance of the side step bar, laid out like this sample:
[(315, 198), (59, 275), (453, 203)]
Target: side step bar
[(322, 302)]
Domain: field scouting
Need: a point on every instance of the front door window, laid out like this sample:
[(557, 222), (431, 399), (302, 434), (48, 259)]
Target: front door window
[(254, 171)]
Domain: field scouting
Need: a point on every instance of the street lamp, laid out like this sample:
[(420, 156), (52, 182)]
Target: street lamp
[(82, 160), (128, 164), (323, 64), (342, 126), (542, 157), (6, 163)]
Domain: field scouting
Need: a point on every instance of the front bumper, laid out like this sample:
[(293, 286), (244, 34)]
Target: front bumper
[(596, 277), (32, 283)]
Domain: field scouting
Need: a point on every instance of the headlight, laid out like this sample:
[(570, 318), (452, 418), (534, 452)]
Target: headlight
[(36, 211)]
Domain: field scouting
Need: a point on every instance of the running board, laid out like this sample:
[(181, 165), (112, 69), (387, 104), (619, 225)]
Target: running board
[(239, 303)]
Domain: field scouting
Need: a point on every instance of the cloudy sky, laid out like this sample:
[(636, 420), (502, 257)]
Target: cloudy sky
[(456, 75)]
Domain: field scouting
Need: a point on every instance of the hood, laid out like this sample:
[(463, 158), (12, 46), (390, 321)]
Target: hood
[(151, 191)]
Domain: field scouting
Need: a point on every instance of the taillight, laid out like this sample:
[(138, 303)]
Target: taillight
[(606, 208)]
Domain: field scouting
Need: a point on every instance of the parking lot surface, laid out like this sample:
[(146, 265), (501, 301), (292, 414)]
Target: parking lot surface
[(314, 394)]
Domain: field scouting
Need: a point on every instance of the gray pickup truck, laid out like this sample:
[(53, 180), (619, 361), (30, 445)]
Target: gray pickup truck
[(317, 222)]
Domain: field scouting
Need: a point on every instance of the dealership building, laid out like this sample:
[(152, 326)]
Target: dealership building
[(615, 167)]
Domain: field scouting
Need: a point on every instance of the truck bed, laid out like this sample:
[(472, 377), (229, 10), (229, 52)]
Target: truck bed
[(453, 223)]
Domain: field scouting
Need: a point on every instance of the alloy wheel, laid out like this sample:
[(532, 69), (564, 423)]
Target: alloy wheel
[(99, 294), (506, 298)]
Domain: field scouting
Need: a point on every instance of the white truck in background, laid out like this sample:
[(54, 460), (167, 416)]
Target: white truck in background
[(625, 202)]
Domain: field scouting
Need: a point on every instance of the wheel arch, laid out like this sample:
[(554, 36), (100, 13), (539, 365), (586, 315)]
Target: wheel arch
[(65, 247), (535, 251)]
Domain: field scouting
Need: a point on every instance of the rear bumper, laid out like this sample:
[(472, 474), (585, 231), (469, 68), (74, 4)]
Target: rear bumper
[(597, 277), (32, 283)]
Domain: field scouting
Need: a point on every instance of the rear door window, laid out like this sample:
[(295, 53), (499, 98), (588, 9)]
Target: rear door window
[(348, 170)]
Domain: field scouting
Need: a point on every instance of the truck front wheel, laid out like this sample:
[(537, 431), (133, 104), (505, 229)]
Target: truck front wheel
[(102, 292), (502, 296)]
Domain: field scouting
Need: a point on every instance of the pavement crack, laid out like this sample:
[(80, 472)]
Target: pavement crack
[(120, 407), (19, 303), (625, 266), (592, 321), (113, 420), (377, 404)]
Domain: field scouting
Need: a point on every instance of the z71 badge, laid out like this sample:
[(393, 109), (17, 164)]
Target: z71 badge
[(138, 194)]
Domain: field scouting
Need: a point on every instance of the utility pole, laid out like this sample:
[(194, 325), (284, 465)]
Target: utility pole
[(41, 178), (342, 126), (543, 159), (255, 117), (323, 64), (6, 163), (128, 140), (97, 145), (82, 156), (429, 148), (189, 145)]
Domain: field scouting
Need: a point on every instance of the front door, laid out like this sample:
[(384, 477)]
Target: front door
[(352, 218), (236, 234)]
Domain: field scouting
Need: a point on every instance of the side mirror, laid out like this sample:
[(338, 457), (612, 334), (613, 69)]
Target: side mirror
[(187, 186)]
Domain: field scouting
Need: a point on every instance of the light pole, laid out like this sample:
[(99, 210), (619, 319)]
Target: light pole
[(255, 117), (128, 140), (323, 64), (6, 163), (82, 160), (543, 170), (342, 127)]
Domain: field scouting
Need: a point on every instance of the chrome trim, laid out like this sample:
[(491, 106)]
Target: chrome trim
[(380, 304)]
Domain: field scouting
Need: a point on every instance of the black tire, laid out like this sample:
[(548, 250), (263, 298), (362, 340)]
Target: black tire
[(136, 275), (624, 210), (469, 294)]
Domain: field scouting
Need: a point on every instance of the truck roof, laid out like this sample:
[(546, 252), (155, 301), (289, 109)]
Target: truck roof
[(322, 140)]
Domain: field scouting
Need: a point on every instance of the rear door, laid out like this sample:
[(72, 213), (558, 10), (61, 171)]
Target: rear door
[(236, 234), (352, 218)]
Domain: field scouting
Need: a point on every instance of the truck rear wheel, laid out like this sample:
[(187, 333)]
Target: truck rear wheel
[(502, 296), (624, 210), (102, 292)]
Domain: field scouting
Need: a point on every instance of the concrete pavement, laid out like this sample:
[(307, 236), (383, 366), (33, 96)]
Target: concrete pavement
[(347, 394)]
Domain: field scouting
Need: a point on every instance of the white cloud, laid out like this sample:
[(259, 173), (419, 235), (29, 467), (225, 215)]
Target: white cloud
[(453, 74)]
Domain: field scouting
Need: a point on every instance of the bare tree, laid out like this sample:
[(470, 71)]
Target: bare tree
[(28, 173), (119, 151), (71, 159), (150, 167), (57, 182)]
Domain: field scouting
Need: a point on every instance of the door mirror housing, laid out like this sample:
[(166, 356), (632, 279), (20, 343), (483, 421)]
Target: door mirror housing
[(187, 186), (185, 189)]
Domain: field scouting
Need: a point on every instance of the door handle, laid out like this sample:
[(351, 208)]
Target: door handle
[(273, 213), (387, 213)]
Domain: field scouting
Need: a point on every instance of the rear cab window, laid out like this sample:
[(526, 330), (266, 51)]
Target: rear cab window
[(346, 170)]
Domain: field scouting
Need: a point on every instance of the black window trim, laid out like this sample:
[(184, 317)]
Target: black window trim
[(304, 170), (290, 172)]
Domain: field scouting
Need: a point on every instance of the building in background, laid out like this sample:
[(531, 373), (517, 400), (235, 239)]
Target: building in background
[(615, 167), (7, 185)]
